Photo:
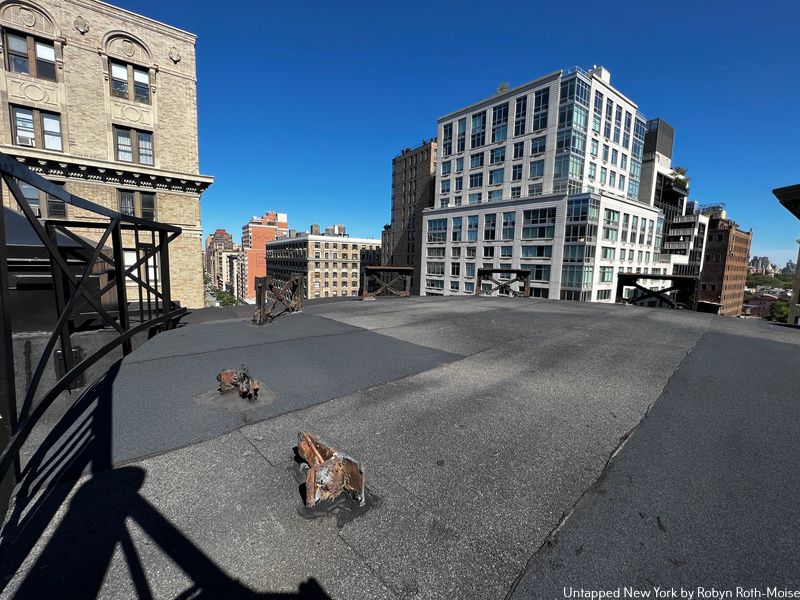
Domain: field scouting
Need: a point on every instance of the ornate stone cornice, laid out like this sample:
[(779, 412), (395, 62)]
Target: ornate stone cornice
[(67, 167)]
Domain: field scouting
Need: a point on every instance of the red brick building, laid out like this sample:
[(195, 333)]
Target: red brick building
[(253, 263), (724, 274)]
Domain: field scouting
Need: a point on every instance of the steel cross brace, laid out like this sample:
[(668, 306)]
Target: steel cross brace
[(387, 288), (290, 294), (507, 285)]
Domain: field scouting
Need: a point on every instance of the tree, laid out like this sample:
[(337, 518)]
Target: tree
[(786, 280), (779, 311), (757, 279), (224, 298), (681, 179), (502, 88)]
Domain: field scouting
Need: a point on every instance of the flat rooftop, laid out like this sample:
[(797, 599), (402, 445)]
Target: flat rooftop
[(511, 447)]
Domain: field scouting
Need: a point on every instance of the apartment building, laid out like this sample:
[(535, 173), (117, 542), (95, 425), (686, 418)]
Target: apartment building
[(220, 239), (724, 274), (413, 177), (684, 227), (252, 260), (546, 177), (330, 264), (104, 102), (789, 197), (224, 261)]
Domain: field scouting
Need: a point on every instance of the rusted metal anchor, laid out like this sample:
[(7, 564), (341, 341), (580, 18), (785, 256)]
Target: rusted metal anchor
[(330, 472), (240, 380)]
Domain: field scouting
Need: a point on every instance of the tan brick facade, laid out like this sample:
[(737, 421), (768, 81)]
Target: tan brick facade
[(330, 265), (86, 37)]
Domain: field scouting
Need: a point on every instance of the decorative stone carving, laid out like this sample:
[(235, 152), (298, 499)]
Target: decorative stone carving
[(27, 17), (124, 46), (139, 115), (81, 25), (132, 113), (175, 55), (34, 92), (29, 91)]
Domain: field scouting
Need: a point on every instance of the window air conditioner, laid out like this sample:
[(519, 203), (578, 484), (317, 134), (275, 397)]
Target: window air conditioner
[(25, 141)]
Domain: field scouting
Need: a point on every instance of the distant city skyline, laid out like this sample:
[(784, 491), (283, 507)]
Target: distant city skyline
[(368, 80)]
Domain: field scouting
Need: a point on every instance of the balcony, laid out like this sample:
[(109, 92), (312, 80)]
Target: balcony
[(680, 232), (676, 245)]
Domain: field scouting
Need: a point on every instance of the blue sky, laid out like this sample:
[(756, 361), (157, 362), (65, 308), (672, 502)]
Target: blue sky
[(302, 105)]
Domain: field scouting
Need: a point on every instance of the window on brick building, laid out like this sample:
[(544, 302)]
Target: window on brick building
[(43, 204), (132, 145), (30, 55), (137, 204), (129, 82), (35, 128)]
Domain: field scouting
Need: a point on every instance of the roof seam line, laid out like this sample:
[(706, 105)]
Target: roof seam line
[(552, 538)]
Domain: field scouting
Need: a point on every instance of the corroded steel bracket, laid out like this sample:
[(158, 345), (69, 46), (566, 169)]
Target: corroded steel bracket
[(270, 291), (239, 379), (330, 472), (371, 278), (522, 276)]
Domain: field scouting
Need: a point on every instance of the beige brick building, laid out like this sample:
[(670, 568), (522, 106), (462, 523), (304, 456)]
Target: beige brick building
[(330, 264), (104, 101)]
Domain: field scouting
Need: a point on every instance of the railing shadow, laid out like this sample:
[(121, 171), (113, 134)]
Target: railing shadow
[(80, 442), (78, 554)]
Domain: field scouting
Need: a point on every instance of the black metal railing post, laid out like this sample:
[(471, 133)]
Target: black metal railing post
[(166, 291), (122, 295), (61, 303)]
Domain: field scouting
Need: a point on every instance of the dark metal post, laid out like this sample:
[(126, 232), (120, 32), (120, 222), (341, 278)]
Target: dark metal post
[(122, 296), (478, 280), (58, 287), (364, 282), (166, 291)]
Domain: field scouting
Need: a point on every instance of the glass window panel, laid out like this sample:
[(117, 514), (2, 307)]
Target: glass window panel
[(56, 207), (145, 148), (46, 69), (119, 72), (17, 43), (124, 147), (119, 80), (148, 206), (126, 203), (140, 76), (51, 123), (31, 194), (52, 132), (45, 52), (23, 119)]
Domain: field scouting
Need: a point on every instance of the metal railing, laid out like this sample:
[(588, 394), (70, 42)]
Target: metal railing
[(146, 277)]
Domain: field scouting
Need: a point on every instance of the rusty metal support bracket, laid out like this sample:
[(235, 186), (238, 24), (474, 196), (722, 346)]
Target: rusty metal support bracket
[(372, 274), (330, 472), (270, 291), (522, 276), (240, 380)]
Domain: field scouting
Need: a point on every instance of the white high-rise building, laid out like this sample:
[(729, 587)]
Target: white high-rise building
[(543, 177)]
